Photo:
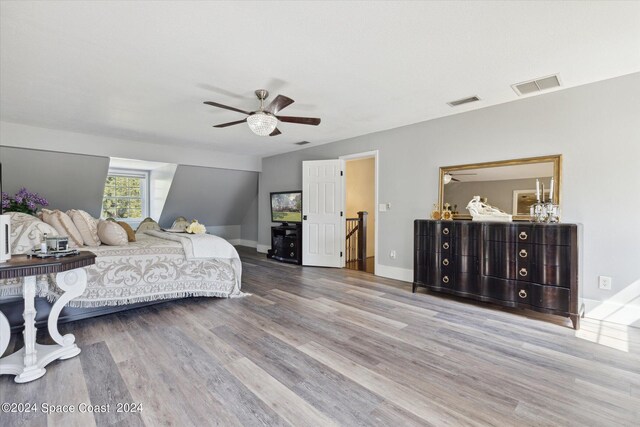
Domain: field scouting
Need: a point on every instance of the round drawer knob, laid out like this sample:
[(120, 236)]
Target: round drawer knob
[(445, 279), (445, 245), (291, 245), (523, 235), (445, 231), (523, 272), (445, 261), (523, 253), (522, 293), (292, 254)]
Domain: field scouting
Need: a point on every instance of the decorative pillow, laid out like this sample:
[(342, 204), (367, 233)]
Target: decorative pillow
[(147, 224), (131, 235), (180, 223), (64, 225), (27, 232), (41, 213), (87, 226), (112, 234)]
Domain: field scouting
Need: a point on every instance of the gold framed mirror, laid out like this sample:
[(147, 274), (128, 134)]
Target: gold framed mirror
[(509, 185)]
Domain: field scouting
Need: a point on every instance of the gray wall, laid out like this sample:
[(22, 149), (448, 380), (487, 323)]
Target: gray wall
[(213, 196), (595, 128), (499, 194), (249, 226), (67, 181)]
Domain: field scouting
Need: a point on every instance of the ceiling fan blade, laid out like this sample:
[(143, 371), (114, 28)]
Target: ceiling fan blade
[(226, 107), (300, 120), (275, 132), (278, 103), (454, 179), (459, 174), (224, 125)]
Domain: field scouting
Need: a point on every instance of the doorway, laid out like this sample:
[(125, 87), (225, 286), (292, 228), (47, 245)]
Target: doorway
[(360, 211)]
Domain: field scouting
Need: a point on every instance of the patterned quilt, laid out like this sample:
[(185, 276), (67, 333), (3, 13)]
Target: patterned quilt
[(149, 269)]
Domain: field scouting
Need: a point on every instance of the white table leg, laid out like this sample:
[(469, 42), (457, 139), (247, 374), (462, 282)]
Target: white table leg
[(5, 333), (28, 363), (74, 283), (31, 369)]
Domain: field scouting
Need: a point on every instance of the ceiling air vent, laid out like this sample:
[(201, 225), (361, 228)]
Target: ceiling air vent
[(302, 143), (537, 85), (463, 101)]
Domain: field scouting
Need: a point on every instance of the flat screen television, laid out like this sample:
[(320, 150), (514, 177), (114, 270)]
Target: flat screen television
[(286, 207)]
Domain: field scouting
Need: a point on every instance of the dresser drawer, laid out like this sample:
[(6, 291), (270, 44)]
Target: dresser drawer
[(523, 292), (290, 243), (550, 297), (289, 253), (499, 289), (466, 264), (465, 247), (433, 243), (508, 233), (420, 266), (554, 275), (554, 234), (444, 279), (552, 254), (467, 230), (421, 227), (433, 228), (506, 251), (466, 282), (441, 261)]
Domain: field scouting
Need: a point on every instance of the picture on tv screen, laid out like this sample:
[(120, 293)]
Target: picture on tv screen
[(286, 207)]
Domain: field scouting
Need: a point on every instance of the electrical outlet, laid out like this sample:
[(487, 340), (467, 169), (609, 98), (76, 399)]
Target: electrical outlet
[(388, 206), (604, 282), (392, 254), (382, 207)]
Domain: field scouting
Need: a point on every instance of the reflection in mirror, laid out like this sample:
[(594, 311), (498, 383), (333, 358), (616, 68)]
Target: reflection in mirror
[(507, 185)]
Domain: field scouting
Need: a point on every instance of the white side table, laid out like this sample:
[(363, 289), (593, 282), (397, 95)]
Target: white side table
[(28, 363)]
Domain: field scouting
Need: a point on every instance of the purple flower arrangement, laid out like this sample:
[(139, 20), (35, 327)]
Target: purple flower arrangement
[(23, 201)]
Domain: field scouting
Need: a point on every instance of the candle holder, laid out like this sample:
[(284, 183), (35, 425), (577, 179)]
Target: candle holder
[(553, 213), (545, 212)]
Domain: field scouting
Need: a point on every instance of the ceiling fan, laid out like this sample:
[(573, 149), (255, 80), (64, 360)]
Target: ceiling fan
[(264, 121), (450, 176)]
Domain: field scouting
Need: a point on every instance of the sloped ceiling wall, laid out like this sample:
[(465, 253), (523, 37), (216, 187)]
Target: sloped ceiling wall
[(216, 197), (212, 196), (67, 181)]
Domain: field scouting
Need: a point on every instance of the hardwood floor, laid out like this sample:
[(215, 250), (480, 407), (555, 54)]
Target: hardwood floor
[(369, 264), (316, 347)]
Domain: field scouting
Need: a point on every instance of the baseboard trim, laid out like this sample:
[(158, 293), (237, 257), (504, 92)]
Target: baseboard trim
[(397, 273), (244, 242), (263, 249)]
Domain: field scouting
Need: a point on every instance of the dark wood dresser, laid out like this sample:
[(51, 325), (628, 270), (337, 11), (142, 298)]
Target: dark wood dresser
[(526, 265), (286, 243)]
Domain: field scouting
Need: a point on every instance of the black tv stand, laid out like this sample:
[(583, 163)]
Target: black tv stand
[(286, 243)]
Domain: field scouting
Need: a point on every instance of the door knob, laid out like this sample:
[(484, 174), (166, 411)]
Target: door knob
[(304, 217)]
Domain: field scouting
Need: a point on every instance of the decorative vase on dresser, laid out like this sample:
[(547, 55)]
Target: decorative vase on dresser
[(525, 265)]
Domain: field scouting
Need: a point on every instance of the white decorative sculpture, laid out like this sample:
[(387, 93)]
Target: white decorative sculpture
[(483, 212)]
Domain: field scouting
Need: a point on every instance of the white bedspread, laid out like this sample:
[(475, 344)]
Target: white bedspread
[(152, 268), (200, 246), (204, 246)]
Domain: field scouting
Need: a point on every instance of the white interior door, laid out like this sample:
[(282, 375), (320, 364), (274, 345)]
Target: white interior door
[(322, 210)]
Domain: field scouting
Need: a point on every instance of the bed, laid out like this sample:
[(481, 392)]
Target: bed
[(157, 266)]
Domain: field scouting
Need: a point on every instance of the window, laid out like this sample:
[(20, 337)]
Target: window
[(125, 195)]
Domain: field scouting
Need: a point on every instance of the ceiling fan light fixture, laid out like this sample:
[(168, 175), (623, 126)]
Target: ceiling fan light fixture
[(447, 178), (262, 123)]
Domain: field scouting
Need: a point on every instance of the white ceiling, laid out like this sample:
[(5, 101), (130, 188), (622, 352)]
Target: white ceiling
[(141, 70)]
